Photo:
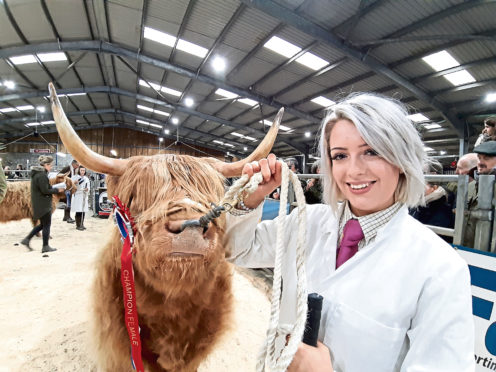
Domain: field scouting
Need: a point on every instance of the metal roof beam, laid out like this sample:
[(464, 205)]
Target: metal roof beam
[(287, 16), (104, 47)]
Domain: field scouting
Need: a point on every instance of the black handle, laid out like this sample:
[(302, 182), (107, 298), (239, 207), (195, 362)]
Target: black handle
[(312, 325)]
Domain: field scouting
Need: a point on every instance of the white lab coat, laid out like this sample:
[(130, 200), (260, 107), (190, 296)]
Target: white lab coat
[(79, 202), (402, 303)]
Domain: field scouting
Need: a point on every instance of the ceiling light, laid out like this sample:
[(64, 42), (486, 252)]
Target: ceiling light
[(491, 97), (113, 152), (175, 121), (459, 77), (158, 112), (142, 122), (26, 107), (76, 94), (52, 57), (225, 93), (41, 108), (155, 125), (61, 154), (250, 138), (34, 124), (307, 134), (47, 122), (441, 61), (283, 47), (431, 126), (418, 118), (189, 102), (428, 149), (7, 109), (145, 108), (312, 61), (166, 131), (219, 64), (322, 101), (237, 134), (22, 60), (442, 152), (160, 139), (9, 84), (219, 142), (245, 148)]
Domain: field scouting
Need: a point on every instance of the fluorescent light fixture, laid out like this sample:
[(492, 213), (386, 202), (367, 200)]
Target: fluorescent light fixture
[(7, 109), (159, 88), (322, 101), (169, 40), (175, 121), (34, 124), (191, 48), (160, 139), (9, 84), (442, 152), (159, 36), (250, 138), (113, 152), (166, 131), (219, 142), (41, 108), (219, 64), (431, 126), (491, 97), (189, 102), (307, 134), (459, 77), (418, 118), (22, 60), (61, 154), (142, 122), (155, 125), (47, 122), (312, 61), (283, 47), (428, 149), (76, 94), (245, 148), (228, 145), (52, 57), (225, 93), (237, 134), (248, 101), (158, 112), (25, 108), (282, 127), (145, 108), (441, 61)]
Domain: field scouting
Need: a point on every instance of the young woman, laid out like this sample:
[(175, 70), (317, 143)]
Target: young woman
[(79, 203), (396, 296)]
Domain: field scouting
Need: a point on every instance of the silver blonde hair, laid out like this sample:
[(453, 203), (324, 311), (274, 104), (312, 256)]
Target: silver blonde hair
[(383, 124)]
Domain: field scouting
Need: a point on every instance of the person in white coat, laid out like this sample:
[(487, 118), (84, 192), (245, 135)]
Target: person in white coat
[(402, 302), (79, 203)]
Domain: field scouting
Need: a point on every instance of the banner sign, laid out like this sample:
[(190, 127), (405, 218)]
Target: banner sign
[(40, 151), (482, 266)]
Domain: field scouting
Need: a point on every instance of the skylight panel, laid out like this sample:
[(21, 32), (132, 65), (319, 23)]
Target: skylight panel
[(459, 77), (237, 134), (441, 61), (219, 142), (159, 36), (431, 126), (52, 57), (322, 101), (25, 108), (225, 93), (418, 118), (250, 138), (228, 145), (33, 124), (282, 127), (191, 48), (312, 61), (22, 60), (76, 94), (7, 109), (142, 122), (145, 108), (280, 46), (155, 125), (148, 85), (170, 91), (248, 101), (158, 112), (47, 122)]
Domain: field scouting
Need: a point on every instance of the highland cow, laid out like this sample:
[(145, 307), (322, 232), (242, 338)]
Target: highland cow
[(183, 282), (17, 202)]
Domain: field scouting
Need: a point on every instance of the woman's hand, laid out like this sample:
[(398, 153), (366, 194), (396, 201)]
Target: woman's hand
[(311, 359), (271, 170)]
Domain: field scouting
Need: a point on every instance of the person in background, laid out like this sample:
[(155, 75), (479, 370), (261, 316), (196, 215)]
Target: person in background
[(41, 199), (486, 164), (71, 171), (8, 173), (467, 164), (79, 203), (489, 131), (3, 184), (396, 296), (19, 174), (313, 188)]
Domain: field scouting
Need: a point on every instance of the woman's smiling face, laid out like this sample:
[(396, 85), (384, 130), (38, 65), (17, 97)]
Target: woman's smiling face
[(364, 178)]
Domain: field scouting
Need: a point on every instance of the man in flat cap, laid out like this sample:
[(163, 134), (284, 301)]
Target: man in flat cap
[(486, 164), (41, 200)]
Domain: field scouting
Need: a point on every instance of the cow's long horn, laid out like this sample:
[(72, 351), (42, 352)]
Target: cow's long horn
[(77, 148), (262, 150)]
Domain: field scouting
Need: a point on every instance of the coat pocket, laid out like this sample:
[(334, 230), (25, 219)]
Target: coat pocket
[(359, 343)]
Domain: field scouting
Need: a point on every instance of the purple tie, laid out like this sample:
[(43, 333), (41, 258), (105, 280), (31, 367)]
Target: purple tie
[(352, 234)]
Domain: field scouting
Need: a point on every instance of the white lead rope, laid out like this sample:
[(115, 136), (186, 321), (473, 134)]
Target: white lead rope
[(279, 363)]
